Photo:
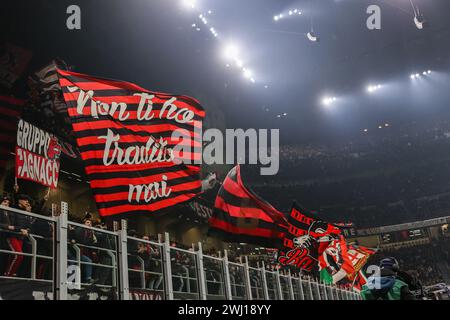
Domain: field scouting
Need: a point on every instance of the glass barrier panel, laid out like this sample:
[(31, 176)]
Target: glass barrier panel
[(256, 284), (323, 293), (298, 289), (285, 288), (214, 275), (272, 285), (92, 260), (185, 281), (315, 291), (334, 291), (237, 281), (145, 270), (307, 289)]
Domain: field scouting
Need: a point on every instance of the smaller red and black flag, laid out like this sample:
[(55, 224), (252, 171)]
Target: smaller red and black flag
[(241, 216), (306, 238)]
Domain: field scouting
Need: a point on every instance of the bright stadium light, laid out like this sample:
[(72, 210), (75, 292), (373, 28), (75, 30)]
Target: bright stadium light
[(231, 51), (326, 101), (371, 88), (190, 4), (419, 22), (312, 36), (247, 73)]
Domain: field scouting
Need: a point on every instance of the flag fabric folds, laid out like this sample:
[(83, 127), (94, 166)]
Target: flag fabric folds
[(241, 216), (127, 137), (45, 90), (305, 240), (340, 261), (334, 262)]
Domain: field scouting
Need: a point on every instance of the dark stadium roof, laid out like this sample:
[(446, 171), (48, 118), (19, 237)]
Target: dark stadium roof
[(154, 44)]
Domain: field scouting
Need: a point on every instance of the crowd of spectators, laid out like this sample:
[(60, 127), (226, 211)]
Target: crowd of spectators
[(426, 262), (398, 175), (14, 236)]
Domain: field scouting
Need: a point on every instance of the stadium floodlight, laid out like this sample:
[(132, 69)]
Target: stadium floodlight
[(190, 4), (290, 12), (417, 75), (366, 130), (413, 76), (312, 37), (231, 52), (276, 18), (371, 88), (326, 101), (419, 21), (247, 73), (429, 71)]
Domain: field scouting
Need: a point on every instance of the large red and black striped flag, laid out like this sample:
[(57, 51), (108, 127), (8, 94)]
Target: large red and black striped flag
[(10, 111), (128, 139), (241, 216)]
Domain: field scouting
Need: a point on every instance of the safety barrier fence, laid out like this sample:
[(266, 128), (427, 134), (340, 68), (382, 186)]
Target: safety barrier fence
[(63, 260)]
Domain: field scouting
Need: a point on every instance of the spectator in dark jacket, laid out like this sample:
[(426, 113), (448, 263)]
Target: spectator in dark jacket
[(105, 241), (84, 237), (17, 226)]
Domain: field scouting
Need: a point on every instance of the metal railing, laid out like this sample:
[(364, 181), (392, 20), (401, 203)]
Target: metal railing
[(96, 263)]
